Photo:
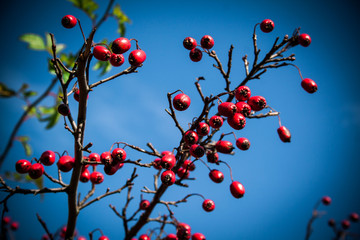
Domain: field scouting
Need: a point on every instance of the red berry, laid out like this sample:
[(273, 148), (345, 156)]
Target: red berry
[(66, 163), (212, 157), (144, 237), (118, 155), (203, 129), (267, 25), (14, 226), (117, 59), (106, 158), (144, 204), (63, 109), (207, 42), (208, 205), (188, 164), (304, 40), (309, 85), (345, 224), (331, 222), (47, 158), (85, 176), (181, 102), (354, 217), (227, 109), (166, 153), (168, 161), (198, 236), (242, 93), (243, 108), (237, 189), (284, 134), (94, 157), (77, 95), (183, 231), (191, 137), (111, 169), (237, 121), (157, 163), (81, 238), (36, 170), (243, 143), (224, 146), (101, 53), (22, 166), (96, 177), (183, 172), (195, 55), (197, 151), (68, 21), (6, 220), (171, 236), (216, 176), (120, 45), (103, 238), (137, 57), (216, 121), (46, 237), (168, 177), (326, 200), (257, 103), (189, 43)]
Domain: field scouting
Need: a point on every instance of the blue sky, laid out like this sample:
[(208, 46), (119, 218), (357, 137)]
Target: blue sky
[(282, 181)]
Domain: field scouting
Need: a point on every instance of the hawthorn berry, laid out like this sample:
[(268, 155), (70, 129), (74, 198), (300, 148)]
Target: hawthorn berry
[(243, 143), (216, 121), (183, 172), (197, 151), (257, 103), (69, 21), (208, 205), (191, 137), (137, 57), (106, 158), (181, 102), (103, 238), (120, 45), (22, 166), (207, 42), (227, 109), (309, 85), (118, 155), (224, 146), (326, 200), (189, 165), (216, 176), (267, 25), (189, 43), (183, 231), (168, 161), (354, 217), (284, 134), (203, 129), (111, 169), (304, 39), (66, 163), (168, 177), (94, 157), (242, 93), (14, 226), (195, 55), (166, 152), (85, 175), (77, 95), (212, 157), (144, 204), (81, 238), (45, 237), (243, 108), (237, 121), (331, 222), (144, 237), (36, 170), (171, 236), (157, 163), (345, 224), (6, 220), (117, 59), (47, 158), (101, 53), (96, 177), (198, 236), (63, 109), (237, 189)]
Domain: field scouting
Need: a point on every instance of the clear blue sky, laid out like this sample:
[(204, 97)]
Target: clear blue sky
[(282, 181)]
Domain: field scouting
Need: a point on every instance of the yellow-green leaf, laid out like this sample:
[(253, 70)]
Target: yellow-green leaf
[(5, 91), (34, 41)]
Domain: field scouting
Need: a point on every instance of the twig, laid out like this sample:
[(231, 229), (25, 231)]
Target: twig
[(43, 224), (126, 71)]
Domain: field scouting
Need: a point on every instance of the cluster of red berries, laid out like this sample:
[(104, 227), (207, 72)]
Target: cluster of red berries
[(7, 222), (207, 42)]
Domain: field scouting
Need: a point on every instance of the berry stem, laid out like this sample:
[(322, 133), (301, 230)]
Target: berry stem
[(229, 169), (82, 32), (297, 69)]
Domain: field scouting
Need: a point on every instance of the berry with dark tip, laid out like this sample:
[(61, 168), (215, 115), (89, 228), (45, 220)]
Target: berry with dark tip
[(257, 103), (181, 102), (168, 161), (191, 137), (96, 177), (237, 121), (309, 85), (237, 189), (198, 236), (63, 109), (207, 42), (118, 155), (157, 163), (120, 45), (243, 143), (183, 172), (224, 146), (101, 53), (144, 204), (144, 237), (137, 57), (66, 163), (267, 25), (195, 55), (47, 158), (69, 21), (85, 176), (188, 164), (117, 59), (326, 200), (216, 176), (168, 177), (23, 166), (345, 224), (242, 93), (284, 134), (106, 158), (189, 43), (208, 205), (94, 157), (197, 151), (216, 121), (227, 109), (36, 170), (304, 39), (14, 226), (203, 129), (183, 231), (354, 217), (171, 236), (212, 157), (243, 108)]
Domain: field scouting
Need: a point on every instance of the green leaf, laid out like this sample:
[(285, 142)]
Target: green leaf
[(34, 41), (88, 6), (53, 119), (23, 87), (25, 143), (59, 47), (122, 29), (29, 94), (5, 91), (121, 18), (46, 110), (103, 66)]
